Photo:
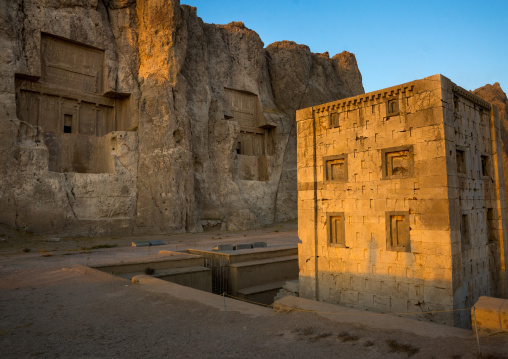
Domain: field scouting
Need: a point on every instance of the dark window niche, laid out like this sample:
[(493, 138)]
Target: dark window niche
[(485, 163), (336, 230), (392, 107), (464, 231), (491, 226), (397, 231), (333, 119), (460, 158), (67, 123)]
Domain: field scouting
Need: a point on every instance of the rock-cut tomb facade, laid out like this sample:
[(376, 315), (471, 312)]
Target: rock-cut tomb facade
[(136, 117)]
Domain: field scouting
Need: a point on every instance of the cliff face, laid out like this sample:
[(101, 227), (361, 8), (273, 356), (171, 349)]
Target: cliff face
[(136, 117), (495, 95)]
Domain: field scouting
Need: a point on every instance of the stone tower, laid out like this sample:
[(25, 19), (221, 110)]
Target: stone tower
[(401, 206)]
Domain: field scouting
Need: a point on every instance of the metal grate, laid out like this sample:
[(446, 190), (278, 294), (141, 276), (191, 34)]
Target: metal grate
[(220, 274)]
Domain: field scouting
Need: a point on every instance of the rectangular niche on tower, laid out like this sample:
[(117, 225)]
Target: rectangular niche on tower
[(397, 162), (465, 239), (392, 107), (334, 119), (336, 230), (335, 168), (460, 160), (255, 143), (491, 226), (397, 231), (456, 104), (485, 163)]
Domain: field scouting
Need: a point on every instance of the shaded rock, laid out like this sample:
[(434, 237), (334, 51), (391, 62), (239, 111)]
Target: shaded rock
[(495, 95), (189, 124)]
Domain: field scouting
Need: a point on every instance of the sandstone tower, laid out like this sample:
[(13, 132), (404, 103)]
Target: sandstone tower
[(401, 204)]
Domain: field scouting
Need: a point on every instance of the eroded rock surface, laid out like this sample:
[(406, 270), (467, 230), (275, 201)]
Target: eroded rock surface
[(495, 95), (119, 116)]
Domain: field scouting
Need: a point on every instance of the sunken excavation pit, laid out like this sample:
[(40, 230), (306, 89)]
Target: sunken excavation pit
[(250, 272)]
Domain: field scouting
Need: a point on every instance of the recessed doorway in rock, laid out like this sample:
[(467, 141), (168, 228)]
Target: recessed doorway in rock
[(72, 107), (67, 123)]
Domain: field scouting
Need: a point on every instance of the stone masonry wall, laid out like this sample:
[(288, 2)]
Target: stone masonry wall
[(364, 269), (400, 204), (473, 147)]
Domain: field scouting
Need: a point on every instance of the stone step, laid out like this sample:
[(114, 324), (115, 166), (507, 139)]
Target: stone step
[(196, 277), (165, 260), (263, 294), (260, 272), (291, 287)]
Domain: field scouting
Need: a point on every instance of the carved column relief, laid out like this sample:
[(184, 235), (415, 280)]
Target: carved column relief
[(255, 142), (67, 104)]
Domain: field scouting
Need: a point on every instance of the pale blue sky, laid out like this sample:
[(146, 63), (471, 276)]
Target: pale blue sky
[(394, 41)]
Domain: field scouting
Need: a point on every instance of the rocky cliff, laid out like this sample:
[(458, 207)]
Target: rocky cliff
[(495, 95), (124, 116)]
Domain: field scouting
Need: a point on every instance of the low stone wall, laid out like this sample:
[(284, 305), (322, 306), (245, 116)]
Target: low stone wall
[(491, 315)]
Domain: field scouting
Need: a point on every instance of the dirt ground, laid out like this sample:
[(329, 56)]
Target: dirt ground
[(50, 309)]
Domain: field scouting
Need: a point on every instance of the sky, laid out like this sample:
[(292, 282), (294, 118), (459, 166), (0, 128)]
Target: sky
[(393, 41)]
